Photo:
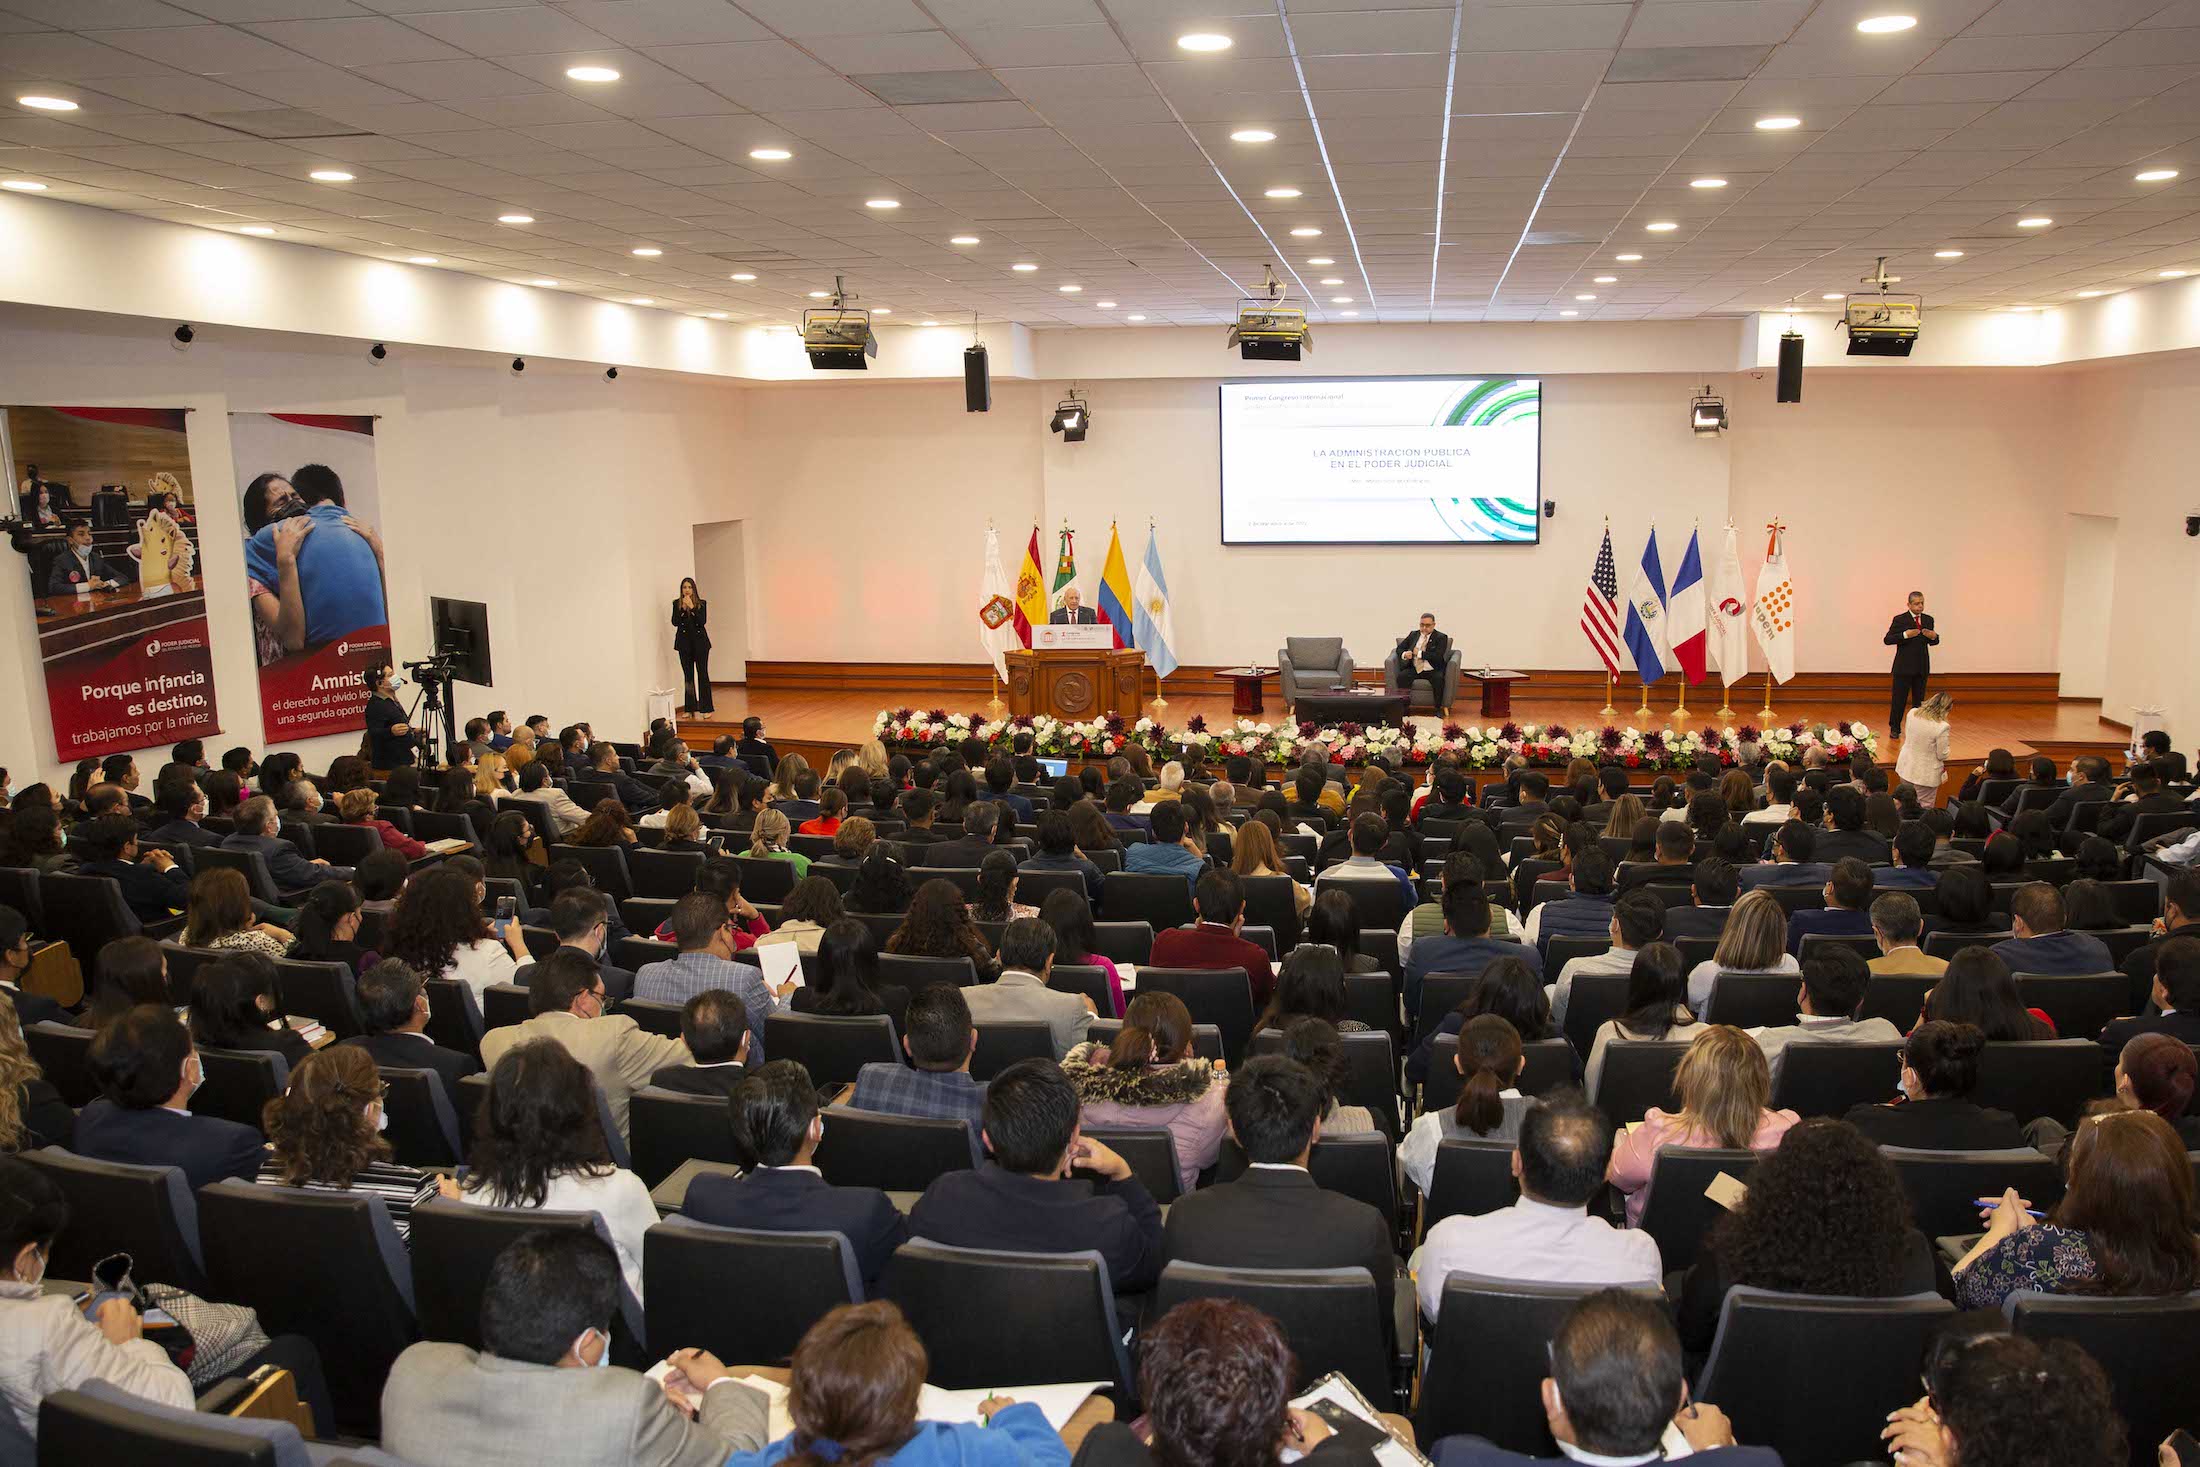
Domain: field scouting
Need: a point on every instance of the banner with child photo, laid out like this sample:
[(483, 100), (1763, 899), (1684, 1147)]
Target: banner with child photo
[(312, 564), (104, 520)]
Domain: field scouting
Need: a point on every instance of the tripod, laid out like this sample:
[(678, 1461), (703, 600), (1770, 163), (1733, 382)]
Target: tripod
[(437, 731)]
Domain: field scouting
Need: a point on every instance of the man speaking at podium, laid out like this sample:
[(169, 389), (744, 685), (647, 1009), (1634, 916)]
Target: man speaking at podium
[(1069, 613), (1422, 656)]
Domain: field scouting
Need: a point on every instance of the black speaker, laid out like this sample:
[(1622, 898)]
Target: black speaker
[(1791, 368), (977, 384)]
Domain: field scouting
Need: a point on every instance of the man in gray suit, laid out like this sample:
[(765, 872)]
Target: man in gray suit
[(1021, 992), (256, 824), (530, 1398)]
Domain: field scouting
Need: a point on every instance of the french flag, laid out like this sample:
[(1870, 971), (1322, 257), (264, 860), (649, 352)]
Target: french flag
[(1686, 614)]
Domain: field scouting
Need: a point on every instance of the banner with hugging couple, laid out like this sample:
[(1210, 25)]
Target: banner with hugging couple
[(312, 565)]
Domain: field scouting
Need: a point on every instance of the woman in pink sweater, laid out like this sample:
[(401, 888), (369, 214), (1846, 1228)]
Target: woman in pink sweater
[(1724, 1083)]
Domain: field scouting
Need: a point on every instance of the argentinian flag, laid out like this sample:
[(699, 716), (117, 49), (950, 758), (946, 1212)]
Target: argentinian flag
[(1151, 620)]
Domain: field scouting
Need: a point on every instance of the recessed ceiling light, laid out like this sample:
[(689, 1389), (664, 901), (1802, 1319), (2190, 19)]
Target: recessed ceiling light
[(744, 277), (964, 239), (542, 280), (882, 203), (2017, 310), (1024, 267), (24, 185), (592, 73), (1319, 260), (1203, 41), (1607, 280), (1947, 254), (1305, 231), (1134, 318), (820, 295), (2037, 221), (1069, 289), (1707, 183), (329, 175), (1348, 313), (2086, 295), (648, 252), (256, 229), (420, 259), (770, 155), (1585, 297), (1834, 295), (928, 323), (1627, 258), (1340, 300), (714, 315), (2155, 175), (2170, 274), (882, 310), (1778, 124), (1661, 226), (1332, 280), (515, 218), (1252, 135), (1104, 305), (1569, 313), (48, 104), (1280, 193), (642, 300), (1881, 25)]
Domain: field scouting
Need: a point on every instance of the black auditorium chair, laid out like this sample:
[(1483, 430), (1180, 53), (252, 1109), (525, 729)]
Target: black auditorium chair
[(986, 1317), (741, 1294), (1332, 1317)]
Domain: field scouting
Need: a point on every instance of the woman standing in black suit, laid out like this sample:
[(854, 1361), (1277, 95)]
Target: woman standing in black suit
[(691, 639)]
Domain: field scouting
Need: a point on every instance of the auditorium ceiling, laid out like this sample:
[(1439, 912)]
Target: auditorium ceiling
[(1464, 161)]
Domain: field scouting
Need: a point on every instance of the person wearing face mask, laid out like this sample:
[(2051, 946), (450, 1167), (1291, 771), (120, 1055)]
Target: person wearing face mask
[(15, 962), (46, 1343), (1935, 1111), (542, 1390), (389, 736), (567, 1003), (324, 1133), (394, 1003), (146, 1070)]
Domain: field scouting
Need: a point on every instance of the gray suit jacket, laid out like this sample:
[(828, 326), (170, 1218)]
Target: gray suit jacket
[(448, 1406), (1018, 995)]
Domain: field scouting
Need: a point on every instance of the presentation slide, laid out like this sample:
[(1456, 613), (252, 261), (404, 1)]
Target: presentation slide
[(1382, 460)]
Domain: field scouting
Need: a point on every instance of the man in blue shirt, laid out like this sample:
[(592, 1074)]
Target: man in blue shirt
[(1168, 852), (2041, 946), (936, 1083), (706, 938), (339, 561)]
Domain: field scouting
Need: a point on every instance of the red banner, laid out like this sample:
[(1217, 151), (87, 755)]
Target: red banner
[(321, 690), (112, 558)]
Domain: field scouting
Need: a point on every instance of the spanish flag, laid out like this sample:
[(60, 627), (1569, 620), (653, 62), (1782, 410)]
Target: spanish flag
[(1115, 591), (1031, 591)]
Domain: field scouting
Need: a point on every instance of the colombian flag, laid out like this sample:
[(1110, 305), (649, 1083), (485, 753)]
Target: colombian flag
[(1031, 592), (1115, 592)]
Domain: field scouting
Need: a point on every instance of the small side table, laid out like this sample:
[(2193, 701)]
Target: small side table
[(1497, 690), (1245, 689)]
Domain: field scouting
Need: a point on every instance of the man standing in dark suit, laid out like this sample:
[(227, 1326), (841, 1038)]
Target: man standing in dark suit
[(394, 1004), (776, 1125), (1422, 656), (715, 1025), (1070, 613), (1274, 1216), (1912, 636), (146, 1071)]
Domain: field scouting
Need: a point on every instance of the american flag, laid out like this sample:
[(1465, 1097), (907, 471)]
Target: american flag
[(1600, 608)]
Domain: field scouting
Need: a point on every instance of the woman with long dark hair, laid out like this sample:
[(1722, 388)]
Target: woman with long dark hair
[(1977, 989), (1148, 1076), (508, 851), (1657, 1006), (328, 927), (1963, 901), (691, 639), (218, 914), (996, 898), (438, 930), (233, 1006), (881, 884), (1077, 940), (1490, 1104), (607, 825), (847, 981), (128, 971), (939, 926), (1508, 988), (1335, 922), (1309, 985)]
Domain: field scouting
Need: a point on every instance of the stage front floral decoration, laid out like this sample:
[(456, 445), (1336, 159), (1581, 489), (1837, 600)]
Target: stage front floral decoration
[(1413, 743)]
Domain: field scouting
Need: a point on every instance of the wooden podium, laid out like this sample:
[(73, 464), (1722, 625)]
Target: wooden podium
[(1075, 684)]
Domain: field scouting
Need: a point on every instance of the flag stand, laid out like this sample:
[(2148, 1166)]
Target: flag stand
[(1726, 697), (995, 708), (1680, 709), (1159, 705), (1608, 710), (1642, 714), (1765, 713)]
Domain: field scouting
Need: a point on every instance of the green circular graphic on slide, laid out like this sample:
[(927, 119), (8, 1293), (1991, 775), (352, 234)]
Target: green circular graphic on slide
[(1490, 403)]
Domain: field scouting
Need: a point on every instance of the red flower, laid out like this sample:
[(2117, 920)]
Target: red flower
[(1634, 760)]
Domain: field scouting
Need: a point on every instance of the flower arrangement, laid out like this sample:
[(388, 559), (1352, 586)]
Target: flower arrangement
[(1406, 745)]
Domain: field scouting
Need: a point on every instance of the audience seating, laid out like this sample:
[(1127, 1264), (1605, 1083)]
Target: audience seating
[(1635, 1078), (1565, 949), (916, 973), (504, 1004), (1377, 904), (831, 1047), (1948, 944), (1087, 979), (87, 913), (1592, 1000), (742, 1295), (1004, 1042), (1944, 1186), (1751, 1000), (1360, 1164), (1159, 899), (766, 878), (322, 992), (147, 1212), (1829, 1079), (454, 1016), (1546, 1064), (653, 1015), (668, 874), (2080, 1006), (453, 1245), (1222, 997), (19, 889), (1270, 902), (667, 1128), (2041, 1077), (423, 1122), (1312, 665), (1471, 1177), (1675, 1210), (1440, 994), (988, 1317), (239, 1083), (1822, 944), (435, 825), (1149, 1151), (1332, 1317), (251, 864), (864, 1148), (102, 1423), (1206, 1038), (1899, 998), (1124, 942), (1488, 1356), (1813, 1376), (2147, 1346), (1371, 1071), (326, 1265), (63, 1052), (1034, 887), (607, 869), (346, 845)]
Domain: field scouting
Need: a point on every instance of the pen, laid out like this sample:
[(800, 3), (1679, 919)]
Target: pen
[(1990, 1202)]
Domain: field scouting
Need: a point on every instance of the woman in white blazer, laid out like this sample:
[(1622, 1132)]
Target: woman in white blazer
[(1924, 757)]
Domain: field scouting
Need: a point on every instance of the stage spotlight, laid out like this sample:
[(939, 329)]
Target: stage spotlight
[(1072, 417), (1707, 413), (377, 353), (519, 365), (184, 336), (838, 338), (611, 374)]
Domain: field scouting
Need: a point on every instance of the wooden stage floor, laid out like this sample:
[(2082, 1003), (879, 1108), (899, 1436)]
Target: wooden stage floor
[(838, 719)]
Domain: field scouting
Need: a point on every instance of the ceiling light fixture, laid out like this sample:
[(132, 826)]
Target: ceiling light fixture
[(2170, 274), (1661, 226), (1585, 297), (1707, 183), (647, 252), (1627, 259), (1203, 41), (420, 259), (257, 229), (928, 323), (2037, 221), (1319, 260), (1607, 280), (1340, 300), (1104, 305), (543, 281), (744, 277), (641, 300), (1332, 280), (1280, 193), (1072, 416), (1833, 295), (964, 239), (2086, 295), (24, 185), (1306, 231), (714, 315), (592, 73), (1024, 267), (770, 155), (515, 218), (1134, 318), (820, 295), (47, 104), (1569, 313), (882, 310), (1886, 25), (1069, 289), (330, 175), (1778, 124), (1947, 254), (2154, 175), (882, 203), (1252, 135)]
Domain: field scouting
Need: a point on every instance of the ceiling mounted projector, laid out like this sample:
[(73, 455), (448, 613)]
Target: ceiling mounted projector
[(1267, 330), (1882, 323), (838, 337)]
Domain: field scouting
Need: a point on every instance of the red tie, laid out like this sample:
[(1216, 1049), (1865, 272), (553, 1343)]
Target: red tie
[(1917, 621)]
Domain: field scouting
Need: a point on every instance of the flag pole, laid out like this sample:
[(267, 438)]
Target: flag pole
[(1680, 707), (1642, 714), (1764, 714), (1726, 697), (1608, 710), (994, 707)]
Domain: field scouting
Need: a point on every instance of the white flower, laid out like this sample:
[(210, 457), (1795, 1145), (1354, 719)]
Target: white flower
[(1263, 728)]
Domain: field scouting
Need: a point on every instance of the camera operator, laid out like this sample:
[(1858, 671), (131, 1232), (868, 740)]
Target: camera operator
[(389, 736)]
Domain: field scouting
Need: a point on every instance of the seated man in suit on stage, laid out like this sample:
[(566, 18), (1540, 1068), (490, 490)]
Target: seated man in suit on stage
[(2041, 945), (146, 1069), (1274, 1216), (394, 1005), (1072, 611), (1025, 1200), (1170, 852), (1846, 912), (530, 1393), (1789, 861), (1021, 992), (1214, 941), (936, 1083), (1422, 655), (1616, 1384), (776, 1128), (714, 1024)]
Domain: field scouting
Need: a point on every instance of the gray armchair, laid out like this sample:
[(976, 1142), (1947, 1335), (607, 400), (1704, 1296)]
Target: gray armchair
[(1394, 678), (1312, 665)]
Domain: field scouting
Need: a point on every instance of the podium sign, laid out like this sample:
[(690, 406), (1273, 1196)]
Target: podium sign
[(1064, 637)]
